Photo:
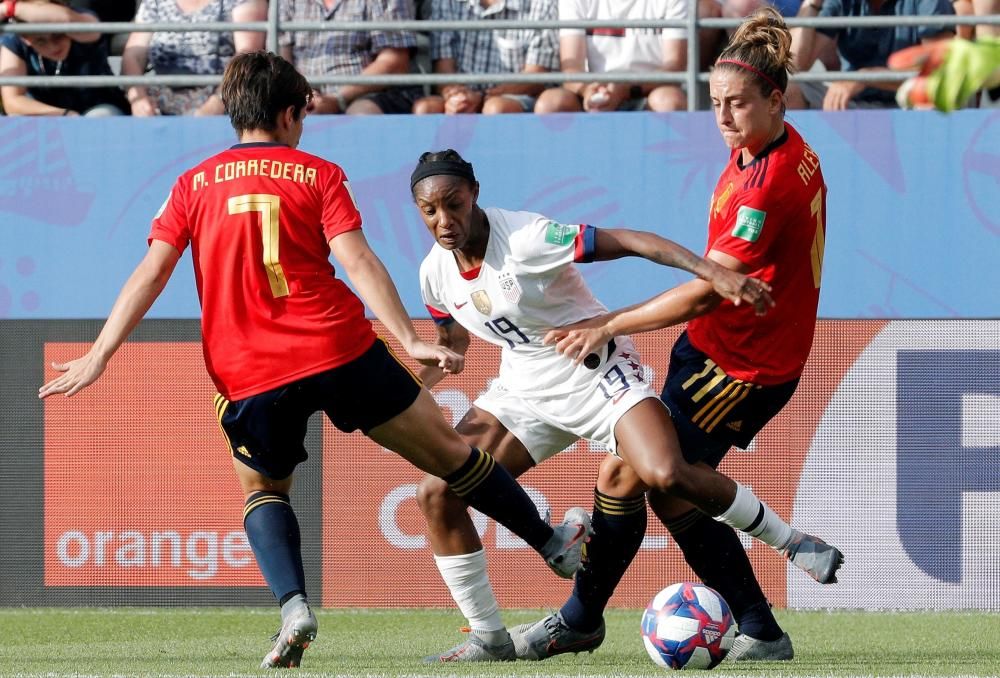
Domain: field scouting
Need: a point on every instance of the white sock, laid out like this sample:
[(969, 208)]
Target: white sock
[(749, 514), (466, 578)]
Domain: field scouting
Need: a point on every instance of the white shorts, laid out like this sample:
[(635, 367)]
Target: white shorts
[(550, 424)]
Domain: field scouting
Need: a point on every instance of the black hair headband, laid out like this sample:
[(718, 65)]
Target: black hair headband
[(453, 168)]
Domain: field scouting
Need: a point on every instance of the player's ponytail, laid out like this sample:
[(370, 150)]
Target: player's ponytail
[(762, 47)]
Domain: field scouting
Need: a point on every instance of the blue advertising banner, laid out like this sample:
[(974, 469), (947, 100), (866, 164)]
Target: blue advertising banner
[(913, 215)]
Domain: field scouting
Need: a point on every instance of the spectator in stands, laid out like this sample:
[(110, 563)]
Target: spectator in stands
[(860, 49), (787, 7), (712, 40), (55, 54), (980, 8), (610, 50), (499, 51), (352, 53), (109, 10), (188, 53)]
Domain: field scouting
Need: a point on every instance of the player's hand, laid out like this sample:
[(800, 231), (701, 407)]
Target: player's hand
[(840, 93), (739, 288), (579, 340), (437, 356), (77, 374)]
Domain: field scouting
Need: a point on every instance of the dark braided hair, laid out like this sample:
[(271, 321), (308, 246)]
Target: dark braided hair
[(447, 162)]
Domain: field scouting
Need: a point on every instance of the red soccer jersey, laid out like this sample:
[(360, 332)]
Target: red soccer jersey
[(771, 215), (259, 218)]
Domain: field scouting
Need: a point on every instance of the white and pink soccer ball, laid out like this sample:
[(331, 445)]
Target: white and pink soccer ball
[(688, 626)]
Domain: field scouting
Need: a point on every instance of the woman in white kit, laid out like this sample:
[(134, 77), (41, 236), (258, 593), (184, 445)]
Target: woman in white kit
[(508, 277)]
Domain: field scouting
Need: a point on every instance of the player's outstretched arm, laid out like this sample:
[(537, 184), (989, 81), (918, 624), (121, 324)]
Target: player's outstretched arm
[(675, 306), (138, 294), (453, 337), (728, 280), (372, 281)]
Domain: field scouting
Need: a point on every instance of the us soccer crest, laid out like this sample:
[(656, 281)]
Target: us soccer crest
[(481, 301), (511, 290)]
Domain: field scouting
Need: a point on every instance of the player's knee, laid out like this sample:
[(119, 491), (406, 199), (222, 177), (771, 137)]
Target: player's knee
[(618, 479), (434, 497), (669, 478)]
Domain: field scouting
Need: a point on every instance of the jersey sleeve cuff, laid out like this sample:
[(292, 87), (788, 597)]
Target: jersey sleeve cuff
[(178, 243), (440, 317), (331, 232), (583, 245), (746, 258)]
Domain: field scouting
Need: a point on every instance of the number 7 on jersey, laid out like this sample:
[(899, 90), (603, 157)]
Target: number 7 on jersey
[(269, 207)]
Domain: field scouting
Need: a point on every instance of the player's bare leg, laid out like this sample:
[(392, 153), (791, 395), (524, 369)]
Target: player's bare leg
[(421, 435), (648, 443), (458, 550), (450, 528)]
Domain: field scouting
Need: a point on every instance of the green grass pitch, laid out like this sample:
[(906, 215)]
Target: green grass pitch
[(231, 642)]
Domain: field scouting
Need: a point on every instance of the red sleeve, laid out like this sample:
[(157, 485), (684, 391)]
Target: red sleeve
[(439, 317), (340, 211), (752, 224), (171, 223)]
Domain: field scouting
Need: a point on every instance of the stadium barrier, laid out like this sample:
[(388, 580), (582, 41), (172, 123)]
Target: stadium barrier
[(691, 77)]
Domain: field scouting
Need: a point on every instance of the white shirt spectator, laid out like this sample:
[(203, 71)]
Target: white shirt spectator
[(632, 49)]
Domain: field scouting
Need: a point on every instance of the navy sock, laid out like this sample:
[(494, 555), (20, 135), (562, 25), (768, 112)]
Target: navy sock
[(715, 553), (273, 533), (619, 525), (487, 487)]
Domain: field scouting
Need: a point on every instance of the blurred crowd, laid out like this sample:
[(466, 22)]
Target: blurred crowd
[(501, 51)]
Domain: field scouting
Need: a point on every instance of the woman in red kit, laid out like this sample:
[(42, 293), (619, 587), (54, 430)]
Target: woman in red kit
[(732, 370), (285, 338)]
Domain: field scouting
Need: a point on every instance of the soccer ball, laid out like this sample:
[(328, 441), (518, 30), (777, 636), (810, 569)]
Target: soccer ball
[(688, 626)]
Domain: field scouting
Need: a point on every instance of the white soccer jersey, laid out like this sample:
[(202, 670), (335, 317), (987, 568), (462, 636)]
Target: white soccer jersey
[(526, 285), (631, 49)]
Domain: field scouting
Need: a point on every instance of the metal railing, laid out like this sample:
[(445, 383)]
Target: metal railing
[(691, 77)]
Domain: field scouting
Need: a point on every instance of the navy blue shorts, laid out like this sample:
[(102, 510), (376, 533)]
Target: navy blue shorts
[(713, 411), (267, 431)]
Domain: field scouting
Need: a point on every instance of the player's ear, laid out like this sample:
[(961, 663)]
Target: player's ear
[(475, 192), (777, 101)]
